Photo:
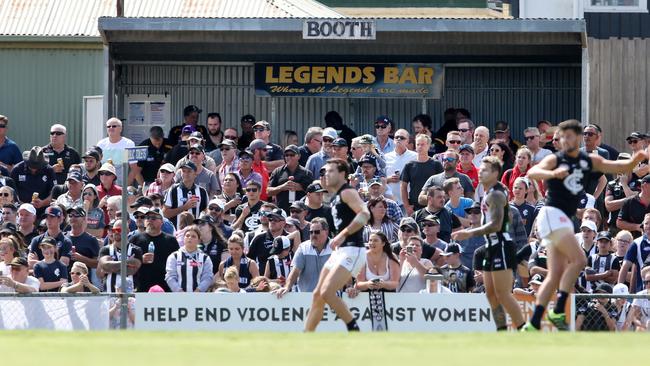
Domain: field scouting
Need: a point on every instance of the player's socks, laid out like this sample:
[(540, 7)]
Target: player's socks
[(562, 296), (352, 326), (499, 317), (536, 319), (502, 329)]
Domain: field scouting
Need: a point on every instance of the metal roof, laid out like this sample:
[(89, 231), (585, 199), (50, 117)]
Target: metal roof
[(78, 18)]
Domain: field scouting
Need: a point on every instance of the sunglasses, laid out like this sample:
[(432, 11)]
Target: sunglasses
[(528, 138), (5, 194), (231, 137), (632, 141), (76, 216), (251, 189), (195, 153), (314, 232), (274, 219), (406, 230), (589, 134), (214, 208), (289, 155), (556, 140), (449, 160), (296, 211), (455, 142), (76, 273), (398, 138), (3, 126), (495, 150), (327, 139), (56, 133), (116, 230), (463, 130), (138, 217), (113, 126), (380, 126)]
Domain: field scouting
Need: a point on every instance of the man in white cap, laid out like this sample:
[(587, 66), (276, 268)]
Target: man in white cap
[(113, 146), (26, 220), (317, 160), (588, 239)]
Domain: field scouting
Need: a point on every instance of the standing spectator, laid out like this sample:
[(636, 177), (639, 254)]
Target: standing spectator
[(466, 129), (640, 313), (432, 246), (453, 142), (258, 148), (456, 202), (450, 124), (108, 186), (518, 200), (154, 261), (334, 120), (635, 257), (20, 281), (113, 147), (145, 171), (502, 132), (312, 145), (108, 267), (247, 215), (288, 182), (298, 212), (317, 160), (634, 209), (416, 173), (469, 246), (51, 273), (60, 156), (546, 130), (185, 195), (191, 119), (231, 196), (412, 266), (637, 142), (480, 144), (94, 214), (379, 221), (204, 177), (383, 128), (7, 196), (246, 123), (290, 138), (9, 213), (262, 243), (273, 152), (450, 160), (457, 277), (214, 135), (436, 206), (195, 138), (72, 197), (34, 179), (180, 149), (375, 191), (466, 164), (309, 259), (91, 167), (617, 193), (10, 154), (532, 135), (422, 124), (230, 160), (315, 206), (246, 267), (85, 247), (588, 237), (396, 161), (53, 219), (592, 136), (407, 228), (523, 162), (381, 271), (232, 135), (501, 150), (188, 269), (26, 221), (164, 180), (246, 173)]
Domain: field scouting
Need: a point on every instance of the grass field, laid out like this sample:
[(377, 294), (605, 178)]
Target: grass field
[(331, 349)]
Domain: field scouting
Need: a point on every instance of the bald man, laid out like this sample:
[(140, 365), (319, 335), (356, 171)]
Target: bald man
[(480, 144)]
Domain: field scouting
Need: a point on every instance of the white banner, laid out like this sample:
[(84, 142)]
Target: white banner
[(264, 312), (54, 313)]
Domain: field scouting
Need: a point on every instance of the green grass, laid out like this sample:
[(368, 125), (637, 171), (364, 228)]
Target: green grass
[(331, 349)]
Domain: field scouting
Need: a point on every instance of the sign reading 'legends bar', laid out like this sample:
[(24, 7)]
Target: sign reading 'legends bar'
[(349, 80)]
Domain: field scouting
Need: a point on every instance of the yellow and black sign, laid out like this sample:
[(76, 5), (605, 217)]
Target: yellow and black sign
[(350, 80)]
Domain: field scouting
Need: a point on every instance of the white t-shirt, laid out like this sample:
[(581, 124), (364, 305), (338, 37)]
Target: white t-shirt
[(395, 162), (115, 151), (32, 282), (644, 306), (541, 154)]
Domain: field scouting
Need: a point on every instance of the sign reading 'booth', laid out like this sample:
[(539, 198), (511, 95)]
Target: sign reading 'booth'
[(339, 29)]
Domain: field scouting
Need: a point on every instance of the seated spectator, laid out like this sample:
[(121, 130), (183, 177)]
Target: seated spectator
[(602, 267), (640, 313), (622, 243), (204, 176), (164, 180), (245, 268), (115, 308), (636, 256), (457, 277), (598, 314), (63, 246), (231, 195), (298, 212), (618, 191), (623, 307), (212, 240), (435, 205), (533, 141), (533, 286), (94, 214), (85, 247), (178, 265), (75, 186), (278, 264), (233, 281), (456, 202), (379, 221), (247, 214), (407, 228), (260, 284), (413, 268), (34, 179), (26, 221), (375, 190), (108, 186), (433, 247), (20, 281), (9, 213), (382, 270), (9, 249), (80, 280), (518, 200), (185, 219)]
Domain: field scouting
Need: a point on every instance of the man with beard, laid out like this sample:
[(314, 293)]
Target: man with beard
[(215, 135), (91, 167)]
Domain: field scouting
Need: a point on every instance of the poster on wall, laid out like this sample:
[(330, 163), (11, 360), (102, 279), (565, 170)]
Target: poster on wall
[(144, 111), (349, 80)]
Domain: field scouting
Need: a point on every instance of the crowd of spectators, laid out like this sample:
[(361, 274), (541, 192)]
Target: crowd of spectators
[(216, 209)]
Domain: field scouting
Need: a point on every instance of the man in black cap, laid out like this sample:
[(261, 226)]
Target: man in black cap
[(502, 132), (298, 212), (34, 179), (315, 205), (53, 220), (185, 195), (261, 245), (85, 247), (598, 314), (59, 154), (457, 277), (20, 281), (247, 136), (602, 267), (273, 159), (146, 170), (205, 177), (190, 118), (73, 186), (91, 167), (288, 182), (383, 129)]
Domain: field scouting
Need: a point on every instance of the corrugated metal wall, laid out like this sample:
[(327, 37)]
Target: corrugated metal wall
[(520, 95), (44, 86)]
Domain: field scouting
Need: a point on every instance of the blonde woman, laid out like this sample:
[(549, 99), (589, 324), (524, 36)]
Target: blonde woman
[(80, 281), (246, 268), (231, 276)]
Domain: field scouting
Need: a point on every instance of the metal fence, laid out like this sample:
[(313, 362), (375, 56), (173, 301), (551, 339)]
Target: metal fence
[(610, 313)]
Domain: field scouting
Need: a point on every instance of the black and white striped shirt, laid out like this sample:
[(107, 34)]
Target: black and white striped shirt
[(178, 194), (188, 271)]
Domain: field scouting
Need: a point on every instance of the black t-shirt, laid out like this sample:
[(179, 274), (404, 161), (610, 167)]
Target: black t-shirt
[(175, 133), (448, 221), (51, 272), (594, 319), (323, 211), (281, 175), (214, 250), (614, 189), (84, 244), (27, 183), (260, 248), (154, 273), (633, 211), (155, 157), (416, 173), (63, 246), (58, 190), (274, 152), (252, 221), (68, 155), (305, 153), (178, 152)]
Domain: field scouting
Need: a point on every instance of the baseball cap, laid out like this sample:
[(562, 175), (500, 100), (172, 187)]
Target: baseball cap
[(196, 135), (536, 279), (28, 207), (604, 288), (624, 156), (92, 153), (340, 142), (466, 147), (262, 123), (257, 144), (216, 202), (77, 209), (36, 158), (156, 132), (19, 261), (167, 167), (188, 164), (620, 289), (74, 175), (197, 147), (8, 228), (277, 212), (47, 240), (330, 132), (635, 135), (108, 167), (154, 211), (204, 219), (143, 210), (374, 181), (604, 235), (383, 119), (293, 148), (432, 218), (54, 211), (501, 126), (474, 206), (142, 201), (368, 159), (299, 205), (187, 129), (315, 187), (227, 142), (292, 221), (452, 248), (366, 140), (646, 179), (280, 244), (246, 152), (589, 224), (410, 223)]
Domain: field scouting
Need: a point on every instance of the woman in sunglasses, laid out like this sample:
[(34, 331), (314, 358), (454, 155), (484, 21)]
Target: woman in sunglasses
[(94, 214), (80, 281), (7, 196), (382, 269), (379, 222), (500, 149)]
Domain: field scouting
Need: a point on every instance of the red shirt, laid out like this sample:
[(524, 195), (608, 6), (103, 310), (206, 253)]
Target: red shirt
[(471, 173), (115, 190), (261, 169)]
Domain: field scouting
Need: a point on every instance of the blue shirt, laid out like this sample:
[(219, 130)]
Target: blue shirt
[(390, 146), (462, 205), (10, 153), (637, 253)]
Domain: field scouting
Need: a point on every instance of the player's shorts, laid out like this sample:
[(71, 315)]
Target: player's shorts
[(350, 258), (551, 219), (479, 258), (500, 256)]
